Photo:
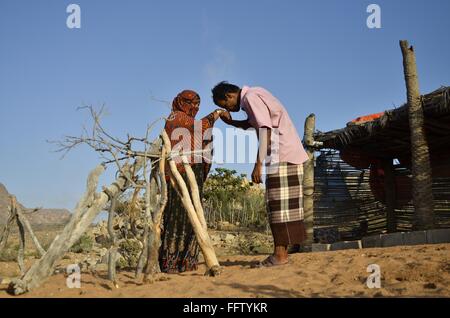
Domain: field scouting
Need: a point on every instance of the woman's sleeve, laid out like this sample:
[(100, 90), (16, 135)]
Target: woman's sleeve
[(208, 122), (183, 120)]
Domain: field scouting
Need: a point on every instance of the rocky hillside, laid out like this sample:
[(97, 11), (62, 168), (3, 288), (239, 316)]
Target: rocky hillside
[(42, 217)]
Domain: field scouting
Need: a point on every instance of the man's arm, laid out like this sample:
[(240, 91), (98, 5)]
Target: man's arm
[(242, 124), (263, 151)]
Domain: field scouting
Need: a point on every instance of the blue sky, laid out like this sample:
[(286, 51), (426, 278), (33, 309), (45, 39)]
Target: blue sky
[(315, 56)]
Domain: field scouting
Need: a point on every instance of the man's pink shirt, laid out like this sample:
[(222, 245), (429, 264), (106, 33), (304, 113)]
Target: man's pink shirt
[(265, 110)]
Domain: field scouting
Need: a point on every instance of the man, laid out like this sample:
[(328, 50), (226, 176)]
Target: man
[(281, 148)]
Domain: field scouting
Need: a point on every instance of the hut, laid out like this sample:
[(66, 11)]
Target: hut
[(363, 176)]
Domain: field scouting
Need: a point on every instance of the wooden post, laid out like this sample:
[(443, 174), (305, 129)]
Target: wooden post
[(389, 189), (112, 252), (420, 157), (154, 240), (7, 229), (308, 179), (195, 217), (16, 214), (22, 218), (21, 252)]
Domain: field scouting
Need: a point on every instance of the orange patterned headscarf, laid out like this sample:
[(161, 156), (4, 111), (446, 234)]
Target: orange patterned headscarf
[(184, 108), (187, 102)]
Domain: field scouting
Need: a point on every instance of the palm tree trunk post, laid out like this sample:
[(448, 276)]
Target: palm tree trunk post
[(308, 179), (420, 157)]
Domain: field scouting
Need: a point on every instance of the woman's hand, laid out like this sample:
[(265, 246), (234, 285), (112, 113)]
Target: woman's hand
[(226, 117), (216, 114)]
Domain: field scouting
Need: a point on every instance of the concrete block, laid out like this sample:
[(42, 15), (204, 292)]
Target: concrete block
[(415, 238), (317, 247), (345, 245), (392, 239), (438, 236), (371, 241)]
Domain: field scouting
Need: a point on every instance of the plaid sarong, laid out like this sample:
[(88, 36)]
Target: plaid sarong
[(284, 193)]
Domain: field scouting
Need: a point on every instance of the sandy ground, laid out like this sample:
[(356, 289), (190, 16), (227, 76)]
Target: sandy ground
[(422, 270)]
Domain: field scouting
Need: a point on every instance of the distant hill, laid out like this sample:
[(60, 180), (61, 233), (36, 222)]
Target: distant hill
[(42, 217)]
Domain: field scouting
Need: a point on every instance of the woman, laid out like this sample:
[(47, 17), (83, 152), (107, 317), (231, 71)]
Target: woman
[(179, 248)]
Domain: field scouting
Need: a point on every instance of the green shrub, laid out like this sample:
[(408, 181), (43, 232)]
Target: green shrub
[(8, 255), (130, 251), (83, 245), (232, 198)]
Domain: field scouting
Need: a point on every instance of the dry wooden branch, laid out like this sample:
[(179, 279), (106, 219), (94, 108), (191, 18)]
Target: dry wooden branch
[(154, 240), (203, 238), (112, 252), (149, 228), (92, 203), (163, 189), (21, 234), (7, 229), (195, 193), (85, 212), (22, 218), (102, 142), (150, 197), (16, 214)]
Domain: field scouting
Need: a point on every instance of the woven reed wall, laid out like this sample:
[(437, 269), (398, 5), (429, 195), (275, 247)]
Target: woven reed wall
[(343, 198)]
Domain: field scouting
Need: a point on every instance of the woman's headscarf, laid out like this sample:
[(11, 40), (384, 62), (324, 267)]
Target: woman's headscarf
[(185, 101), (184, 109)]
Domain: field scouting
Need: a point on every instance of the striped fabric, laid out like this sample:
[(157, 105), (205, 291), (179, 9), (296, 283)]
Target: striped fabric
[(284, 193)]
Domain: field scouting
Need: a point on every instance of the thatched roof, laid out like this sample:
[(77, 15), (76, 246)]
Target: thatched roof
[(389, 135)]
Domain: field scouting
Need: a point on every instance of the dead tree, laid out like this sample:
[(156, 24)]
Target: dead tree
[(6, 230), (112, 253), (155, 203), (152, 161), (153, 242), (17, 214)]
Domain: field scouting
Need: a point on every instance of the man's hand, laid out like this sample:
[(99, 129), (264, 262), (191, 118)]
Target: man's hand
[(226, 117), (217, 113), (257, 173)]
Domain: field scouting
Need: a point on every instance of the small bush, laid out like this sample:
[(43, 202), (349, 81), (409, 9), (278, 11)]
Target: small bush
[(8, 255), (232, 198), (83, 245), (130, 251)]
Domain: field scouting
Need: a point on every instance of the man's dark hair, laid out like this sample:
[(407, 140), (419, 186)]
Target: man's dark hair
[(220, 90)]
